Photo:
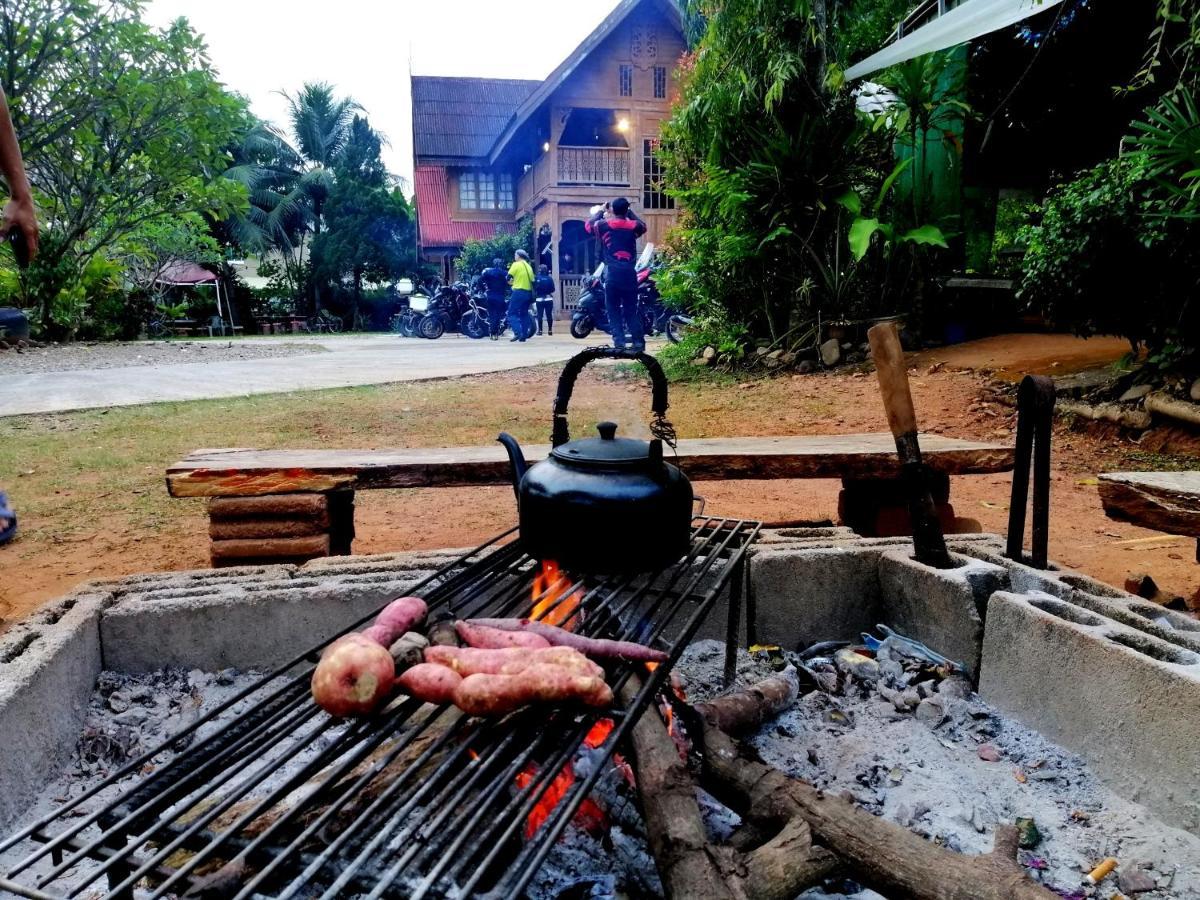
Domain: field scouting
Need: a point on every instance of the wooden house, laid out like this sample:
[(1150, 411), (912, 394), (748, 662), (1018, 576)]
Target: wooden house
[(489, 151)]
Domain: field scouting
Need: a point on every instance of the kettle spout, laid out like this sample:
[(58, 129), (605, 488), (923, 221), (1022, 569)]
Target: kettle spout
[(516, 458)]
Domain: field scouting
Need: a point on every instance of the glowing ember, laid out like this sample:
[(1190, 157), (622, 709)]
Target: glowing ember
[(554, 793), (589, 816), (599, 733), (555, 599)]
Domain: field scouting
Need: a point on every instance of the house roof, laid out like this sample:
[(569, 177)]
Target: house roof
[(436, 225), (531, 103), (462, 117)]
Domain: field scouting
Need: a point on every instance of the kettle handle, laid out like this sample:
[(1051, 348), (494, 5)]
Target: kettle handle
[(659, 427)]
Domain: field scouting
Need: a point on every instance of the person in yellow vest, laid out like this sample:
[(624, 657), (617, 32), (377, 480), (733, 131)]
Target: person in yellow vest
[(521, 277)]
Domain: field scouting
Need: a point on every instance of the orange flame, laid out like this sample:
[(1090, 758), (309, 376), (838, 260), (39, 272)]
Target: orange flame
[(550, 587)]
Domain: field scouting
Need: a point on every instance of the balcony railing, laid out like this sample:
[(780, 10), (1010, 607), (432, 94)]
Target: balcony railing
[(593, 165)]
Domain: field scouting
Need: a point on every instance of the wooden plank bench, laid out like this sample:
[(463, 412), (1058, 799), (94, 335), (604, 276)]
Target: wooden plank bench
[(255, 513), (1163, 501)]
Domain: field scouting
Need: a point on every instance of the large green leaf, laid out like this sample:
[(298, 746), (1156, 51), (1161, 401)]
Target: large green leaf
[(861, 231), (891, 179), (851, 201), (926, 234)]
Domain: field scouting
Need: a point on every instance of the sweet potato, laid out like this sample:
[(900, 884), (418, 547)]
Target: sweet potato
[(396, 618), (494, 638), (509, 660), (496, 695), (600, 648), (430, 682), (354, 676)]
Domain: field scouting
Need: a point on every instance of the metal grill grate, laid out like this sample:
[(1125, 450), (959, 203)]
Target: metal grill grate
[(273, 798)]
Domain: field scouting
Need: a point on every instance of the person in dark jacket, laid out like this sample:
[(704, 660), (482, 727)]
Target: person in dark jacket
[(495, 281), (543, 292), (618, 234)]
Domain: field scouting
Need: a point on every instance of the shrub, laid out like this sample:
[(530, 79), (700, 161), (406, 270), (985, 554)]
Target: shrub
[(478, 255), (1102, 260)]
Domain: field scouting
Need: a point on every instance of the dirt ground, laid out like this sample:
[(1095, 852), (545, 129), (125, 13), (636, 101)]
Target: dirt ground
[(90, 490)]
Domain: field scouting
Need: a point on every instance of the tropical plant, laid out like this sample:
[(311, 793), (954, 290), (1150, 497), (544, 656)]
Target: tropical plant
[(122, 125), (924, 107), (867, 224), (289, 179), (1169, 136), (759, 145), (773, 165)]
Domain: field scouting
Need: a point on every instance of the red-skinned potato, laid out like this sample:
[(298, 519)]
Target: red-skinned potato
[(354, 677)]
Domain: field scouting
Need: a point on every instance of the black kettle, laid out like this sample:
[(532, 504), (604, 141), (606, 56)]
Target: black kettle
[(604, 505)]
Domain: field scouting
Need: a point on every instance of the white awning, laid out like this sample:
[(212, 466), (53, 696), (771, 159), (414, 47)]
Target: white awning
[(967, 21)]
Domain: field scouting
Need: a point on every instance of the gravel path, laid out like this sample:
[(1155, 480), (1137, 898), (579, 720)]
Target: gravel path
[(72, 357)]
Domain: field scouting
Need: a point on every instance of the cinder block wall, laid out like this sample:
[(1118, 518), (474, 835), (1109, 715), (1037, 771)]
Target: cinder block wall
[(1107, 675)]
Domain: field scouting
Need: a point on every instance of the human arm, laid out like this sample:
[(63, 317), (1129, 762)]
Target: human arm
[(18, 212), (593, 225), (640, 228)]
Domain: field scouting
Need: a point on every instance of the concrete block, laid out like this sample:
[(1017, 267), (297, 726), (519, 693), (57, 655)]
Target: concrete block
[(48, 669), (942, 608), (198, 578), (806, 595), (1127, 702), (1098, 597), (245, 627)]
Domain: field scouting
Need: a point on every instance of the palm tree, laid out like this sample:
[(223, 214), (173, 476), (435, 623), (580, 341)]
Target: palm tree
[(320, 130), (289, 178)]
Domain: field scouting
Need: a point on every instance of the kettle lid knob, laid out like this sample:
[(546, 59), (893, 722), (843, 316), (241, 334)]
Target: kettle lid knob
[(608, 430)]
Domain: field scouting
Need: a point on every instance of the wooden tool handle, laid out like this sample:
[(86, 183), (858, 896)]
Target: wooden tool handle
[(893, 379)]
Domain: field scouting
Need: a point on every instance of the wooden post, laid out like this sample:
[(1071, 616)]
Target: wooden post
[(555, 250)]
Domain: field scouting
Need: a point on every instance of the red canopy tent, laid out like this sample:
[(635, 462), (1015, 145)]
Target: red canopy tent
[(181, 273)]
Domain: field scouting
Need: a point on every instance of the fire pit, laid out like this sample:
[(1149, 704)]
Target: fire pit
[(244, 788), (418, 801)]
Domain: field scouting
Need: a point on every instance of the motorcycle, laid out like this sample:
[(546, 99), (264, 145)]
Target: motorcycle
[(453, 307), (592, 311)]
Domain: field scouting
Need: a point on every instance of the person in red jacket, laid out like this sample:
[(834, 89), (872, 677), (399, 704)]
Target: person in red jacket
[(618, 234)]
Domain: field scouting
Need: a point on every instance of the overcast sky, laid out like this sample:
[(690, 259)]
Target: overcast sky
[(366, 47)]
